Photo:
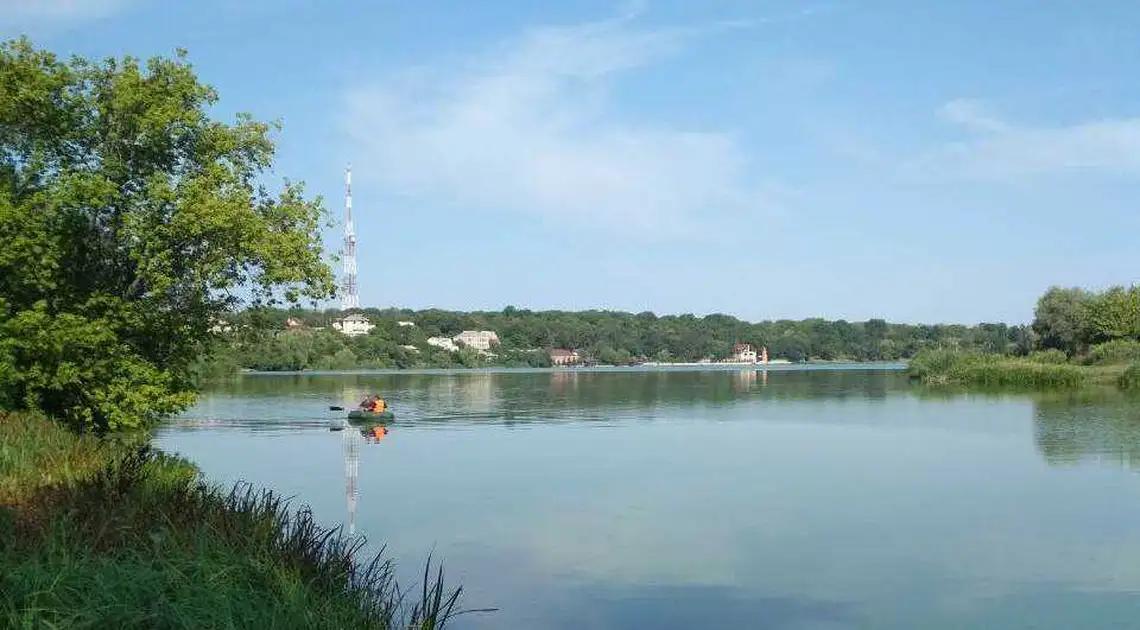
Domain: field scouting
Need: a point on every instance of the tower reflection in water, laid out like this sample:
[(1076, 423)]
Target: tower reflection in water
[(353, 438)]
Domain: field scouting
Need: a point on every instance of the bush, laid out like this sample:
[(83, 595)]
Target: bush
[(949, 367), (35, 454), (1050, 356), (1130, 379), (1116, 352), (934, 365)]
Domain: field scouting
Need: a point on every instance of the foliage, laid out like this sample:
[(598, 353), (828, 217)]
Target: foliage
[(935, 365), (1062, 319), (1052, 355), (948, 367), (1130, 379), (1073, 319), (1114, 352), (35, 455), (1114, 314), (260, 340), (1071, 325), (129, 538), (129, 221)]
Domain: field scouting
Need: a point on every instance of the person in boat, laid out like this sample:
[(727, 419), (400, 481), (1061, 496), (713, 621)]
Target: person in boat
[(375, 404)]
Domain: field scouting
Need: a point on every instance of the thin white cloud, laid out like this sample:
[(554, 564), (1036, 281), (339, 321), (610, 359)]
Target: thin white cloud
[(29, 13), (528, 128), (971, 113), (1001, 149)]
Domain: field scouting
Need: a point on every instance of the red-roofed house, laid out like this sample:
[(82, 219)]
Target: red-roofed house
[(562, 356), (743, 353)]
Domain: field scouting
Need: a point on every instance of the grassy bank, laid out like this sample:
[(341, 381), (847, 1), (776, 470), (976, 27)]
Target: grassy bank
[(1039, 371), (100, 533)]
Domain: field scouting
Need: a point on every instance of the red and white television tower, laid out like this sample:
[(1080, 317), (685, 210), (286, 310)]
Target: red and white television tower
[(349, 300)]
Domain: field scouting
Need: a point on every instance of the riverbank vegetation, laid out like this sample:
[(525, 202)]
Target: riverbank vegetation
[(259, 339), (130, 221), (1080, 338), (110, 533)]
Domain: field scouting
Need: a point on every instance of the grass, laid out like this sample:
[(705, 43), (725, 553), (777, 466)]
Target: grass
[(1116, 352), (1130, 379), (1041, 372), (100, 534)]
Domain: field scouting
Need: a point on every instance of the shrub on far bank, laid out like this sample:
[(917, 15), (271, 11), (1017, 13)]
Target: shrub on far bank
[(950, 367), (1130, 379), (95, 533), (1116, 352), (1050, 356)]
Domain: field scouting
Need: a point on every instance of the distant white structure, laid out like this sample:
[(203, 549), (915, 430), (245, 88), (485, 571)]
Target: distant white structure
[(443, 342), (743, 353), (410, 348), (477, 339), (220, 326), (405, 323), (353, 324)]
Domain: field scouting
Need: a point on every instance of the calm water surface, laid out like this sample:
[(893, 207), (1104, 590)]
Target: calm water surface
[(803, 499)]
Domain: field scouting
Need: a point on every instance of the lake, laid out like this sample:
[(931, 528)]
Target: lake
[(788, 499)]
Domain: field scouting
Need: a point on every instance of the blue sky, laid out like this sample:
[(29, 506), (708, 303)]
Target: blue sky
[(919, 161)]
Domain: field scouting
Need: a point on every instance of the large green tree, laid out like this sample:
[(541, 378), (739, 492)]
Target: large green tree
[(1061, 319), (1115, 315), (129, 221)]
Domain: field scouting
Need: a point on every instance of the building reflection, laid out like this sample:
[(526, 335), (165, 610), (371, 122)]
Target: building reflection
[(472, 392), (564, 382), (743, 381), (477, 391), (352, 395)]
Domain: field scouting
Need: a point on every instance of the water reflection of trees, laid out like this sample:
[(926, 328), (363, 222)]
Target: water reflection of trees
[(1101, 428), (485, 391)]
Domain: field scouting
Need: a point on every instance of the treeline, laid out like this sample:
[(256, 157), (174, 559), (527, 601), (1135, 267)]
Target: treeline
[(1078, 338), (1080, 322), (259, 339)]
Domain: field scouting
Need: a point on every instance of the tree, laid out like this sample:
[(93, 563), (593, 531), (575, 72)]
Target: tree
[(876, 329), (1114, 314), (1062, 319), (129, 222)]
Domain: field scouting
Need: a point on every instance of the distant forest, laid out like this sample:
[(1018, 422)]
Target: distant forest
[(259, 339)]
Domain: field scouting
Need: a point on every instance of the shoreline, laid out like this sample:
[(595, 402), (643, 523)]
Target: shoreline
[(133, 528), (892, 366), (949, 368)]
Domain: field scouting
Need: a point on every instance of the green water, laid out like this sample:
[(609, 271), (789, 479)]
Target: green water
[(803, 499)]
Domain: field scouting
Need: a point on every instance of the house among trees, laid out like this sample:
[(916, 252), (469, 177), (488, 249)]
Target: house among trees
[(743, 353), (562, 356), (219, 325), (443, 342), (477, 339), (353, 324), (293, 323)]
